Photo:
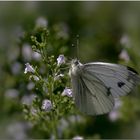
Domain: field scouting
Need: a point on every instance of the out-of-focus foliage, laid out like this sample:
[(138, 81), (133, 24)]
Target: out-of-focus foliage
[(108, 31)]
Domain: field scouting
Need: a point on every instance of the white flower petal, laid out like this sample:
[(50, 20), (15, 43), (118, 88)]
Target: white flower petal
[(114, 115), (28, 99), (35, 78), (11, 93), (27, 52), (30, 86), (60, 59), (125, 41), (78, 138), (16, 68), (41, 22), (67, 92), (46, 105), (29, 68), (124, 55), (36, 56)]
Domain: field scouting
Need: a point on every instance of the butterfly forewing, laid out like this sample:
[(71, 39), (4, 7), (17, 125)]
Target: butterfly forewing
[(119, 79)]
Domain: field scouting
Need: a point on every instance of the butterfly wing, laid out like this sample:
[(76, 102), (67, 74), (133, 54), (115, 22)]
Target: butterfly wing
[(119, 79), (91, 95)]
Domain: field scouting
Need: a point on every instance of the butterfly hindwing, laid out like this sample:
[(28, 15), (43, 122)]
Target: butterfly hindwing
[(91, 95)]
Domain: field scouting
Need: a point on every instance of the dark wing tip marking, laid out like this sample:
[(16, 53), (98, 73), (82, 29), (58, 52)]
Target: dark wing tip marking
[(120, 84), (131, 69)]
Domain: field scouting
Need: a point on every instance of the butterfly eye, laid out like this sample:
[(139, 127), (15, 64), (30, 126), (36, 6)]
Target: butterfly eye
[(76, 62)]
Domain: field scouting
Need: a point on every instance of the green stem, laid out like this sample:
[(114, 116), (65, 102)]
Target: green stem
[(53, 119)]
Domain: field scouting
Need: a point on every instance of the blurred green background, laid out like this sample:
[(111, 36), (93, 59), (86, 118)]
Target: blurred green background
[(108, 31)]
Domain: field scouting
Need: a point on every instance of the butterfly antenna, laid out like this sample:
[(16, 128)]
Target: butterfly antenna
[(77, 46)]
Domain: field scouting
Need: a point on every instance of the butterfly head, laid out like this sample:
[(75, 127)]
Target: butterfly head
[(75, 62), (75, 67)]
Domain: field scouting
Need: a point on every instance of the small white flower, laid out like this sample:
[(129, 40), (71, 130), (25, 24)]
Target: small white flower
[(63, 125), (52, 137), (118, 103), (46, 105), (114, 115), (28, 99), (30, 86), (33, 111), (124, 55), (11, 93), (17, 130), (18, 32), (35, 78), (29, 68), (77, 138), (125, 41), (16, 68), (60, 60), (36, 56), (41, 22), (27, 52), (67, 92)]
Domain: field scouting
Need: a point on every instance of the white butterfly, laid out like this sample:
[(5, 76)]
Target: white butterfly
[(95, 85)]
